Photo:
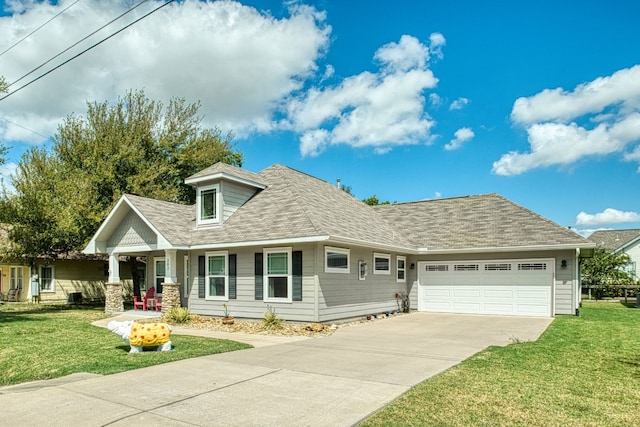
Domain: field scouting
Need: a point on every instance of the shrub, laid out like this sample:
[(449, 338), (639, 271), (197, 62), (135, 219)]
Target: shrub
[(178, 315), (271, 319)]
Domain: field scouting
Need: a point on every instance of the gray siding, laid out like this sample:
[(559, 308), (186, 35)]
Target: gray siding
[(132, 231), (245, 305), (343, 296), (233, 196)]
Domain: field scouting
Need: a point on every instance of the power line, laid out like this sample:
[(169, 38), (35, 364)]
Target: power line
[(86, 50), (32, 32), (77, 43), (25, 128)]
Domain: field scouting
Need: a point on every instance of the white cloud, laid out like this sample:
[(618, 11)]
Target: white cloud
[(437, 42), (608, 216), (378, 110), (597, 118), (462, 135), (6, 171), (239, 62), (435, 99), (251, 72), (458, 104)]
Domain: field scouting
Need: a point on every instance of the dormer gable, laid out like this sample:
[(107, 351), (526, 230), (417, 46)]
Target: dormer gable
[(220, 190)]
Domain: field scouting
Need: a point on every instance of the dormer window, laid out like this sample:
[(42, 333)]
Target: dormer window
[(209, 204)]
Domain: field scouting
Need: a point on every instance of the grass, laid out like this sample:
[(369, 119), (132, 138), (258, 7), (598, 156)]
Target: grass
[(43, 342), (583, 371)]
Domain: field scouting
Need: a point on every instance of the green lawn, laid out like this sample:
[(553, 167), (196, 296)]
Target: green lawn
[(41, 342), (583, 371)]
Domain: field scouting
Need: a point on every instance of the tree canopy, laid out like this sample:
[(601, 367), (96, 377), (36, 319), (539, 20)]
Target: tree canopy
[(374, 201), (605, 270), (4, 86), (135, 146)]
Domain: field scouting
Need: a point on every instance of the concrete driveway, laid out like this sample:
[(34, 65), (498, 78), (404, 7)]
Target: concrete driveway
[(329, 381)]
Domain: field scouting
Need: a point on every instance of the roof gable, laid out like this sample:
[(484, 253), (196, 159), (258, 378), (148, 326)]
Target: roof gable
[(221, 171)]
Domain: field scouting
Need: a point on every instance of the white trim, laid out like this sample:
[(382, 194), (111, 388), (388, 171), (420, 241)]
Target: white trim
[(225, 176), (426, 251), (207, 295), (155, 283), (217, 202), (289, 275), (341, 251), (186, 275), (398, 269), (381, 256), (250, 243)]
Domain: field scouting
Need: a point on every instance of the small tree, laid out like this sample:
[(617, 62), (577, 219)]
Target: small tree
[(605, 270), (374, 201)]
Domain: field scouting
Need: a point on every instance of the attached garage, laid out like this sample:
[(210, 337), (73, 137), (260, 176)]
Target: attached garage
[(521, 287)]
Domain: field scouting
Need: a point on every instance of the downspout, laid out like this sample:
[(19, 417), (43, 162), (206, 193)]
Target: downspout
[(316, 285)]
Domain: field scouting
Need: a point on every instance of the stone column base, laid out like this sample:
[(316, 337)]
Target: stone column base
[(170, 297), (113, 302)]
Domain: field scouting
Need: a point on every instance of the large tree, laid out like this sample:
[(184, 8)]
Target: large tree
[(606, 270), (135, 146)]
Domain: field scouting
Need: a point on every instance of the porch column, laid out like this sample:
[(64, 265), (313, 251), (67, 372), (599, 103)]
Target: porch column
[(170, 287), (114, 302), (170, 272)]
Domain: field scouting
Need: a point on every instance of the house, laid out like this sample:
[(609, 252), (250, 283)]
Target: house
[(621, 241), (71, 277), (286, 240)]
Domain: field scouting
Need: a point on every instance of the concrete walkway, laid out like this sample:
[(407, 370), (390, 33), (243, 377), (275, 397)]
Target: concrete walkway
[(336, 380)]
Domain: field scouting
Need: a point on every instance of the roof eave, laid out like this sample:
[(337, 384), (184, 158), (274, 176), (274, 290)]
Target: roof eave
[(222, 175), (426, 251)]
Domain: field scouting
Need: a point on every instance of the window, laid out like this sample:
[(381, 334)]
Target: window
[(532, 266), (16, 278), (278, 274), (381, 263), (465, 267), (437, 267), (401, 269), (46, 279), (336, 260), (159, 272), (208, 204), (497, 267), (217, 276)]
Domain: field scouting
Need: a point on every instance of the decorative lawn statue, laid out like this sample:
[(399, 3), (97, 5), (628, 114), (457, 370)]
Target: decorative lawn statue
[(152, 336)]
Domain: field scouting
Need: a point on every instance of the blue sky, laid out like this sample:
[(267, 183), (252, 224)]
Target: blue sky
[(536, 101)]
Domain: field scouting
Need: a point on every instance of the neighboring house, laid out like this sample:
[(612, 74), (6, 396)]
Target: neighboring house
[(57, 281), (285, 240), (621, 241)]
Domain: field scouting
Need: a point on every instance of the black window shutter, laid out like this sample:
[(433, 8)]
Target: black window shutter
[(259, 276), (296, 270), (233, 277), (201, 276)]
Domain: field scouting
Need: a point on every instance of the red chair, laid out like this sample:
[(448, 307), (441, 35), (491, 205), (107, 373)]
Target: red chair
[(143, 304), (158, 304)]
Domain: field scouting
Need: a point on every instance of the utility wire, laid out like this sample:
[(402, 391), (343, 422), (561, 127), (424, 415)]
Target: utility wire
[(77, 43), (32, 32), (86, 50), (25, 128)]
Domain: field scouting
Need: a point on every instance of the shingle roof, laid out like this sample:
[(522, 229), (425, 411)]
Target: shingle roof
[(295, 205), (223, 168), (475, 222), (614, 239)]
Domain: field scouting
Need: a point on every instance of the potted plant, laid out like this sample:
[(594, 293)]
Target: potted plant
[(227, 319)]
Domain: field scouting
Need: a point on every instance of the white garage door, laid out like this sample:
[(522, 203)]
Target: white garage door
[(512, 287)]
